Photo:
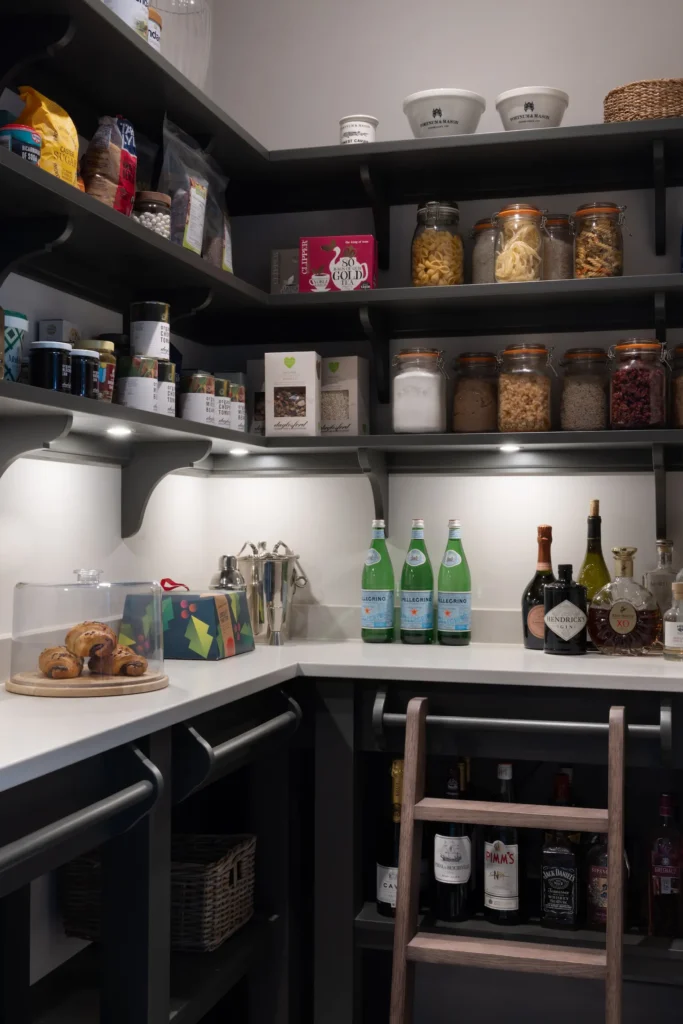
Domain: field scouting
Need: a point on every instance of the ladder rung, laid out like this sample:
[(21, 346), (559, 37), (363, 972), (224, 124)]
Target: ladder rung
[(499, 954), (483, 812)]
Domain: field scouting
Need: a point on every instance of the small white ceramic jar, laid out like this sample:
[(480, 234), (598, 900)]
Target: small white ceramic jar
[(357, 128)]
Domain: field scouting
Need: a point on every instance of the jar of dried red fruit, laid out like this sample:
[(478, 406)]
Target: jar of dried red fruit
[(638, 385)]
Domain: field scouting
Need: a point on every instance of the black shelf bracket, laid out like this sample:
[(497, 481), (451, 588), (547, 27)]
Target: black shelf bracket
[(659, 182), (660, 317), (374, 326), (31, 237), (21, 435), (373, 464), (29, 40), (659, 470), (188, 302), (380, 214), (150, 462)]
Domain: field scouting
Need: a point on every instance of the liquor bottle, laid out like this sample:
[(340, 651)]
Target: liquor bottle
[(673, 625), (501, 863), (377, 593), (532, 598), (565, 614), (560, 871), (454, 624), (658, 581), (596, 884), (665, 906), (623, 617), (387, 848), (453, 857), (417, 590), (593, 574)]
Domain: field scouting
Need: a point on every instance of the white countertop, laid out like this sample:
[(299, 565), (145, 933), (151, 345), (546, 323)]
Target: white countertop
[(41, 734)]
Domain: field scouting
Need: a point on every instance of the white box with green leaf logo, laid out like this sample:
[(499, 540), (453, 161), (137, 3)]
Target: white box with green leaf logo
[(292, 394), (345, 406)]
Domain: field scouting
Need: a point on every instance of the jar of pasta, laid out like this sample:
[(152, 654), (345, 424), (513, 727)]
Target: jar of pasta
[(638, 385), (584, 389), (524, 389), (437, 250), (475, 398), (519, 243), (599, 240), (484, 251)]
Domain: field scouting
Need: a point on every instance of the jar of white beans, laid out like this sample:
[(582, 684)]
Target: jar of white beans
[(419, 392)]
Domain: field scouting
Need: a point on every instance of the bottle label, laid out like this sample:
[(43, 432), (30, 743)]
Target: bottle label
[(387, 884), (559, 892), (622, 617), (565, 620), (673, 635), (417, 609), (451, 558), (597, 893), (417, 533), (665, 871), (455, 533), (415, 557), (378, 533), (534, 621), (454, 612), (372, 557), (452, 859), (501, 888), (376, 609)]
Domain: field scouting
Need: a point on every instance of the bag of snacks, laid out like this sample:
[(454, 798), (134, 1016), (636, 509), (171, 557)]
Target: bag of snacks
[(217, 247), (184, 177), (109, 164), (59, 151)]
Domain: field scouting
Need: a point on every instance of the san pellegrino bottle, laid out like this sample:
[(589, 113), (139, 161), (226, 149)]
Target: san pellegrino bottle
[(454, 618), (417, 590), (377, 590)]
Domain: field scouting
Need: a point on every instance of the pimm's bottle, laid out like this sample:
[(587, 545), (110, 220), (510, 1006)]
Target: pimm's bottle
[(501, 862)]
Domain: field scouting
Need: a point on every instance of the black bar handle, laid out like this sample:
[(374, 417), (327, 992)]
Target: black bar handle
[(287, 721)]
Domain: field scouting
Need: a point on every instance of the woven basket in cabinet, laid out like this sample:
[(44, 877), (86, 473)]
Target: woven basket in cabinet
[(643, 101), (212, 891)]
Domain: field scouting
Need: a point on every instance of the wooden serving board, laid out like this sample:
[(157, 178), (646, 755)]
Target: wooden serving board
[(35, 684)]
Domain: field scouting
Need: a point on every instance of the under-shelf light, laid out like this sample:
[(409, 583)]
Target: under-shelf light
[(510, 448), (238, 451), (119, 431)]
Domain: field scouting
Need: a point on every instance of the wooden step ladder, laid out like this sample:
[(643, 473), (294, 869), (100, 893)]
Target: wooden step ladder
[(411, 946)]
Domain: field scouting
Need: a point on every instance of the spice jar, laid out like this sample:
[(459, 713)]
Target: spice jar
[(599, 240), (558, 247), (519, 243), (677, 387), (524, 388), (50, 365), (638, 385), (419, 392), (584, 389), (153, 211), (106, 368), (475, 399), (484, 251), (437, 249)]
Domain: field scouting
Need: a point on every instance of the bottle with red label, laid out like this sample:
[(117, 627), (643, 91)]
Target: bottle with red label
[(501, 862), (596, 884), (665, 908)]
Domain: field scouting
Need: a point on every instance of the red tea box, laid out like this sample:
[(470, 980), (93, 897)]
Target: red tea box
[(337, 263)]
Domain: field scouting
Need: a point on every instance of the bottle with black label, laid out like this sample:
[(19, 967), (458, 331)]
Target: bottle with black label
[(501, 863), (560, 872), (565, 615), (532, 598), (387, 847), (453, 857)]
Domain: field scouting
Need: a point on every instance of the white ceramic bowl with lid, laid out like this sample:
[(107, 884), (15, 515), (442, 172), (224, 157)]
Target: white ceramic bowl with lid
[(437, 112), (532, 106)]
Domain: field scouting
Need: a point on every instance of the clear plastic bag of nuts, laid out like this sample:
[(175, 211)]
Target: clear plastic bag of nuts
[(524, 387), (437, 249)]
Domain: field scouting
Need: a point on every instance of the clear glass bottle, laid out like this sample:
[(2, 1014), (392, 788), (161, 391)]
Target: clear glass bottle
[(638, 385), (584, 389), (558, 247), (658, 581), (519, 243), (484, 252), (475, 397), (599, 240), (437, 251), (524, 389), (624, 617), (673, 625), (418, 404)]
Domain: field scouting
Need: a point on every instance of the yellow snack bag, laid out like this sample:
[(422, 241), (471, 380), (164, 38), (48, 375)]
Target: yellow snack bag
[(59, 152)]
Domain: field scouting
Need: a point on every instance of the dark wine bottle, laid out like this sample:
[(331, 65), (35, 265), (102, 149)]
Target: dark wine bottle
[(387, 847), (532, 598), (565, 614), (501, 863), (453, 857)]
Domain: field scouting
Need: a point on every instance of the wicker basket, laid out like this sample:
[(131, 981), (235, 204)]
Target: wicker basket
[(212, 891), (644, 101)]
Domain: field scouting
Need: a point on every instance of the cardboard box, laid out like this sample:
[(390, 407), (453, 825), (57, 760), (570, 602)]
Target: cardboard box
[(337, 263), (292, 394), (284, 271), (345, 393), (58, 330), (256, 395), (197, 627)]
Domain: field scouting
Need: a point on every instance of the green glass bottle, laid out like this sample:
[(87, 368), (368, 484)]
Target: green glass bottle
[(417, 590), (377, 593), (593, 574), (454, 603)]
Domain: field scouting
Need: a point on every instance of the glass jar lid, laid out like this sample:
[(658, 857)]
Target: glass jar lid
[(153, 197), (603, 207), (483, 224), (422, 353), (96, 345), (520, 210), (475, 359), (637, 345), (594, 355), (526, 350), (557, 220), (438, 206)]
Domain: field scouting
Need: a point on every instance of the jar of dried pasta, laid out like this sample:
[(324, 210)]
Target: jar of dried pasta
[(524, 389), (519, 243), (475, 397), (437, 250), (599, 240)]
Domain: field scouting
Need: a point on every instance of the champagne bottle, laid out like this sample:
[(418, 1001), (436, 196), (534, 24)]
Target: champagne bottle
[(533, 598), (417, 591), (593, 574), (388, 846), (454, 625), (377, 591)]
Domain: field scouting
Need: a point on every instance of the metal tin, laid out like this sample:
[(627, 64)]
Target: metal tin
[(166, 392), (150, 329), (222, 402), (198, 396), (85, 371), (50, 365), (22, 140), (137, 383), (238, 407)]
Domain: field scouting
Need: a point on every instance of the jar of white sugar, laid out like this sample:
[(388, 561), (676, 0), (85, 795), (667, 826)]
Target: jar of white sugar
[(419, 394)]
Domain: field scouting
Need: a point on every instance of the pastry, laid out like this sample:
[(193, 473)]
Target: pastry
[(121, 662), (60, 663), (91, 638)]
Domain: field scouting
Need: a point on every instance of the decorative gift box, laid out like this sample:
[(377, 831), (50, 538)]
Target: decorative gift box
[(197, 627), (337, 263)]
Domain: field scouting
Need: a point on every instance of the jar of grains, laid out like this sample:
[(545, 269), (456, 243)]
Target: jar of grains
[(558, 247), (419, 393), (599, 240), (638, 385), (584, 389), (484, 252), (475, 399), (524, 388), (153, 211), (519, 243), (677, 388), (437, 250)]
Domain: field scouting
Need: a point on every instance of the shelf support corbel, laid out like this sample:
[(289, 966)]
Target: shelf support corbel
[(21, 435), (30, 237), (659, 470), (380, 213), (374, 326), (659, 181), (188, 302), (29, 40), (373, 465), (150, 462)]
